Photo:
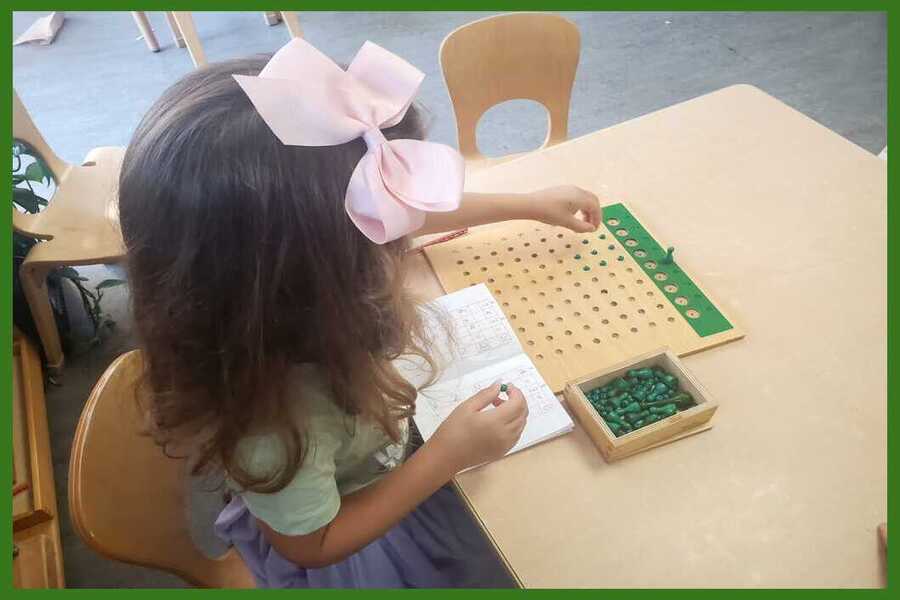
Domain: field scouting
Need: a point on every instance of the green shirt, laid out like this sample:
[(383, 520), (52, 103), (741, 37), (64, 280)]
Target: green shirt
[(343, 454)]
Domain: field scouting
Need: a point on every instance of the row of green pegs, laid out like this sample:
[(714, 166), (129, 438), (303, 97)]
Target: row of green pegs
[(642, 397)]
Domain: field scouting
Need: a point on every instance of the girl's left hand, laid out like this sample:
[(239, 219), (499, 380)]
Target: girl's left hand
[(562, 206)]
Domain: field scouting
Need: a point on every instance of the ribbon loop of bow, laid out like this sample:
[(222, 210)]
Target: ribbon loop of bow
[(308, 100)]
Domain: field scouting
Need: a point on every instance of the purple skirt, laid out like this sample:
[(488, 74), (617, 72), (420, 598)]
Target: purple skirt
[(438, 545)]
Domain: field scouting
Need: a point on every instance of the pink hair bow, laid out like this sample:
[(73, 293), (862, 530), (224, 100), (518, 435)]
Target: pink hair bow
[(308, 100)]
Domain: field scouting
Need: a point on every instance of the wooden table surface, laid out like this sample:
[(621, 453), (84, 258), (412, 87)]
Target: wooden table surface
[(784, 222)]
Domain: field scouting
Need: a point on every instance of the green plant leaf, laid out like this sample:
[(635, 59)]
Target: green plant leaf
[(68, 273), (35, 172), (27, 200), (108, 283)]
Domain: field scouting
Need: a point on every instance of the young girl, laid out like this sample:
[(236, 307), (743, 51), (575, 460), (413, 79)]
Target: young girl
[(266, 216)]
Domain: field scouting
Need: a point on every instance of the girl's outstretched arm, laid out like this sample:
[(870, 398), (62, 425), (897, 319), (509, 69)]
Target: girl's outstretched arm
[(566, 206), (468, 437)]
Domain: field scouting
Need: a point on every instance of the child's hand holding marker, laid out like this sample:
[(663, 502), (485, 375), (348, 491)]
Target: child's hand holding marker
[(471, 436)]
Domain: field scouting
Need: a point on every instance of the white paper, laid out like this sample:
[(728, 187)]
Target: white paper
[(43, 30), (482, 350)]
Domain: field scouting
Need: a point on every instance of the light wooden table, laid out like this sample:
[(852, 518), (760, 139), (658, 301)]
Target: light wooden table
[(785, 223)]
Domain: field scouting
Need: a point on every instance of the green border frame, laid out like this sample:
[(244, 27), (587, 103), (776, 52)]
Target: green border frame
[(474, 5)]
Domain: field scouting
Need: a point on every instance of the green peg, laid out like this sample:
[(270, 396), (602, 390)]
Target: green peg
[(668, 259), (633, 407), (644, 373)]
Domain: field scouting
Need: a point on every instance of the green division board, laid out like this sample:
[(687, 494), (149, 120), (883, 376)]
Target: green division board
[(699, 312)]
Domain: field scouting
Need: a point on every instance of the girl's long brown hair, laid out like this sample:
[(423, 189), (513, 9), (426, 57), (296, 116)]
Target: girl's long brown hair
[(243, 263)]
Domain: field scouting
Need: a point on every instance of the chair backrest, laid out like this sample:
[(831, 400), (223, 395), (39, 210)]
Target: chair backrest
[(127, 499), (24, 129), (529, 56)]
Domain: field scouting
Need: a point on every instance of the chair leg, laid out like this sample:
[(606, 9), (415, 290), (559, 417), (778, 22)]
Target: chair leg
[(272, 18), (143, 23), (176, 33), (292, 21), (34, 284), (189, 33)]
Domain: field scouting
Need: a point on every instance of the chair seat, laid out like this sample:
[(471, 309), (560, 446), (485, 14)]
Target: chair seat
[(81, 221)]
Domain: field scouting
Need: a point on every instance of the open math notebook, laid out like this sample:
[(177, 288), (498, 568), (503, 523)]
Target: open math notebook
[(483, 350)]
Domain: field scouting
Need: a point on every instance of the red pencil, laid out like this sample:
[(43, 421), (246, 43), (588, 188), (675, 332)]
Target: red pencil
[(440, 240)]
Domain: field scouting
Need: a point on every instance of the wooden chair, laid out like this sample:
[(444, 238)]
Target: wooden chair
[(516, 56), (185, 34), (126, 498), (79, 226)]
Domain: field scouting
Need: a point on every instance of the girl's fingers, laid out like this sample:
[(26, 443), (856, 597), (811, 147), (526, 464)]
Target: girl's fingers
[(590, 208), (514, 407), (518, 425), (483, 398), (580, 226)]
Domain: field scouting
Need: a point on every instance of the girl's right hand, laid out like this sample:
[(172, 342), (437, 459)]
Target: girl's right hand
[(470, 436)]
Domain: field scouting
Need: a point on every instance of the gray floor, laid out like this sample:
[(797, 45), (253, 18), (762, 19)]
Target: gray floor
[(90, 87)]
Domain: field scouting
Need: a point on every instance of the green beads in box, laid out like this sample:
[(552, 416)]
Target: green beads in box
[(643, 396)]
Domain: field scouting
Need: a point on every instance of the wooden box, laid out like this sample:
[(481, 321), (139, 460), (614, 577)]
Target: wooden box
[(677, 426)]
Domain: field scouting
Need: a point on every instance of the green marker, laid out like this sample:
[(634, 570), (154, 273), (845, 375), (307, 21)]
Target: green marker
[(620, 258), (503, 387), (611, 247), (577, 257), (602, 263), (586, 268)]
